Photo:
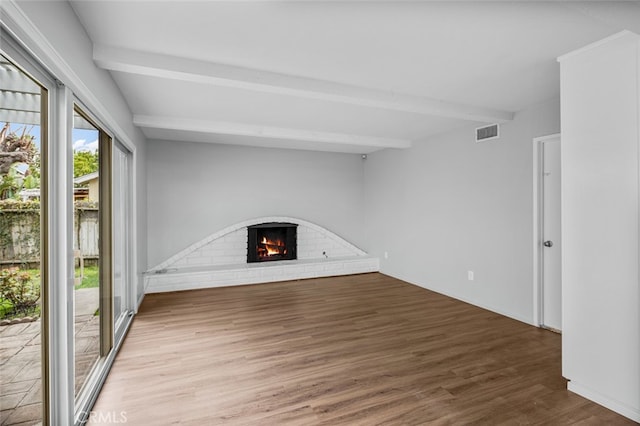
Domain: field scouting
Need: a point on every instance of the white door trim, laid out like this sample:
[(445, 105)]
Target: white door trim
[(537, 226)]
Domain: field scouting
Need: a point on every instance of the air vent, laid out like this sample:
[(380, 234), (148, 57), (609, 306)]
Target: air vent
[(487, 133)]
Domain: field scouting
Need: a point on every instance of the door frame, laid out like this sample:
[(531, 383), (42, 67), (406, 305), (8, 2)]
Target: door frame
[(538, 206)]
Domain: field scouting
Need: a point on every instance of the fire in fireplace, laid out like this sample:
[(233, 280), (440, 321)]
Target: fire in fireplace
[(271, 241)]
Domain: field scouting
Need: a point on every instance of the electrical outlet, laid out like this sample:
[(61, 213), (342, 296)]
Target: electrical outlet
[(470, 276), (386, 255)]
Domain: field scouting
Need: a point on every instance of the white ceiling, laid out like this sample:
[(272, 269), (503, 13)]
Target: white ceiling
[(336, 76)]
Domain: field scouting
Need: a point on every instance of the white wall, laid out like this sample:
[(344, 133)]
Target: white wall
[(449, 205), (196, 189), (59, 25), (600, 184)]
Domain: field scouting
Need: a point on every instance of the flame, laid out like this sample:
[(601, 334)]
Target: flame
[(272, 251), (273, 248)]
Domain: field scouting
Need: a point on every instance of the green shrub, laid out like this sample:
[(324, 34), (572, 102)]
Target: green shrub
[(5, 309), (20, 289)]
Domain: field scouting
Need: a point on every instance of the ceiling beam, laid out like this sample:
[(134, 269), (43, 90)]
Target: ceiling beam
[(189, 70), (243, 129)]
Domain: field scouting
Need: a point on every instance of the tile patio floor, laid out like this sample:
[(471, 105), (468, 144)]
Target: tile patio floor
[(20, 371)]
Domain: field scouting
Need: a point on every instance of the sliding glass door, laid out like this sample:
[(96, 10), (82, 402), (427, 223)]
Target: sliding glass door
[(122, 201), (103, 302), (23, 274), (91, 311), (67, 278)]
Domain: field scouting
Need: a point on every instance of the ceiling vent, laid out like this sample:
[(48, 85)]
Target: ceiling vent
[(487, 133)]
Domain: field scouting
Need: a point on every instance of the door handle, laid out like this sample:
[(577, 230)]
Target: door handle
[(548, 243)]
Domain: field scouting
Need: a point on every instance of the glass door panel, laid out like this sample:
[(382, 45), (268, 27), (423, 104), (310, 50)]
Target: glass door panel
[(121, 236), (86, 247), (22, 130)]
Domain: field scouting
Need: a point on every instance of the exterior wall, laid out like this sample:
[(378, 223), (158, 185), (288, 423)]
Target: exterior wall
[(94, 190)]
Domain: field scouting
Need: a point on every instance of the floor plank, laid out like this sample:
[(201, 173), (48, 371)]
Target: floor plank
[(358, 350)]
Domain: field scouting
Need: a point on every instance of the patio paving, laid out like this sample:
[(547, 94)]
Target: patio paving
[(20, 352)]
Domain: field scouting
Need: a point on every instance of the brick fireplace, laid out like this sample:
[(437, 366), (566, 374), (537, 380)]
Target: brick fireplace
[(222, 258)]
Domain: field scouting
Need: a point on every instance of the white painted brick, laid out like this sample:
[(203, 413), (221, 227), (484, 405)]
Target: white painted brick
[(334, 267), (294, 270), (231, 249), (226, 275), (271, 272), (170, 280), (259, 274), (250, 274), (217, 251), (309, 268), (225, 260)]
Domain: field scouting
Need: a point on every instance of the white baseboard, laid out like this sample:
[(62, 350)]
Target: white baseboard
[(632, 413), (139, 302)]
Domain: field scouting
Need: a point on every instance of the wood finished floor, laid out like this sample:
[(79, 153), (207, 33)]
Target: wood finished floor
[(356, 350)]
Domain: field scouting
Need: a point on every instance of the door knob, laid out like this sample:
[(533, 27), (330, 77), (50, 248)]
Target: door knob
[(548, 243)]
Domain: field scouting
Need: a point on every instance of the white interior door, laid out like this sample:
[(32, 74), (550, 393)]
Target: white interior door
[(552, 245)]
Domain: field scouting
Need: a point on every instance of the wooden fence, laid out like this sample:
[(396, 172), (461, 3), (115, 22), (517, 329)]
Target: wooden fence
[(20, 235)]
